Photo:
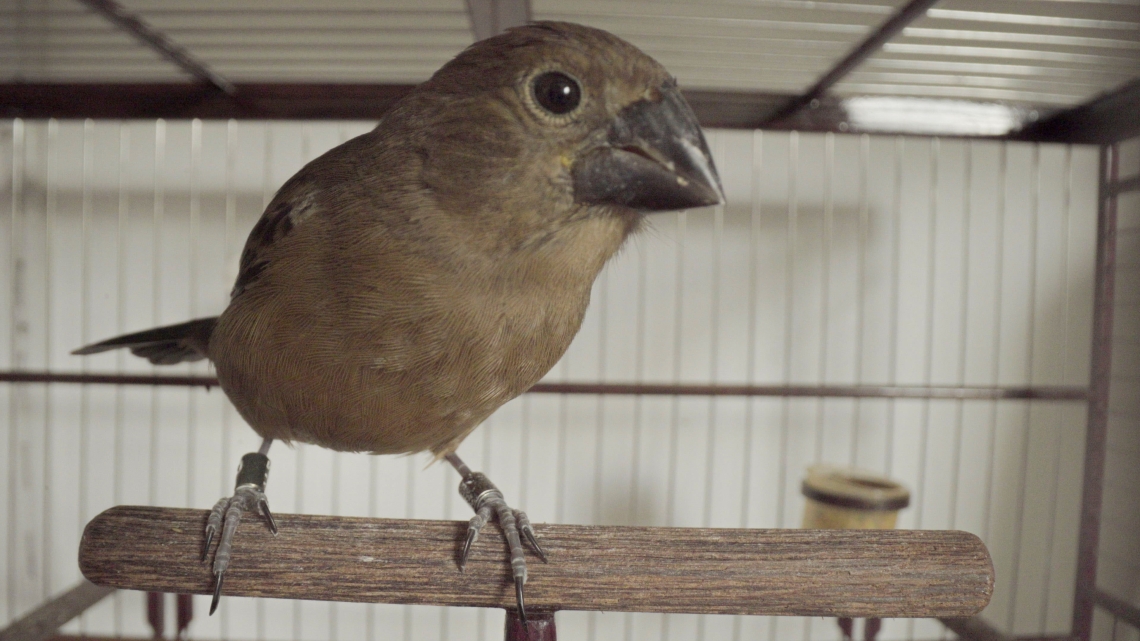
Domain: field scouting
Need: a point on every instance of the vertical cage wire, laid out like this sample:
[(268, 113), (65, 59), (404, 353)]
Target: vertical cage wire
[(963, 323), (158, 222), (896, 251), (192, 239), (1034, 196), (928, 364), (674, 407), (158, 216), (928, 338), (268, 187), (755, 211), (48, 431), (120, 247), (995, 375), (789, 319), (229, 239), (15, 227), (786, 363), (1055, 463), (860, 285), (714, 348), (84, 322), (825, 283)]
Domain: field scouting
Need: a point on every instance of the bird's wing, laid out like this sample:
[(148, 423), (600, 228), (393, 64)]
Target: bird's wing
[(292, 206)]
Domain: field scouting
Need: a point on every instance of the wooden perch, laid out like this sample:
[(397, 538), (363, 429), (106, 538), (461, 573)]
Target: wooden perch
[(854, 573)]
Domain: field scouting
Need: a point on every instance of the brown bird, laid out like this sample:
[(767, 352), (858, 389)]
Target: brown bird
[(404, 285)]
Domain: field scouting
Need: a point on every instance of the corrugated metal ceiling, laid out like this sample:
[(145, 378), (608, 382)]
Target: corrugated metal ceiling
[(1042, 52)]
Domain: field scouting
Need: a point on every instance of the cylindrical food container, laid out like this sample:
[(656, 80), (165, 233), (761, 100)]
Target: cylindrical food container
[(851, 499)]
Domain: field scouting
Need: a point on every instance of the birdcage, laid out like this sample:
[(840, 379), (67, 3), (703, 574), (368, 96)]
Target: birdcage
[(926, 266)]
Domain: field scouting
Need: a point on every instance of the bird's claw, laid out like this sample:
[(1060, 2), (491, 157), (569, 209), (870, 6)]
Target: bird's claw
[(209, 539), (472, 534), (528, 532), (217, 592), (487, 500), (263, 507), (226, 515)]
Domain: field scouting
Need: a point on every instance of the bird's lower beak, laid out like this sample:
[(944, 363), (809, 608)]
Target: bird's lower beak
[(653, 158)]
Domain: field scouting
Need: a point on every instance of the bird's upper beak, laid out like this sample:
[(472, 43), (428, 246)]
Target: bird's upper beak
[(653, 158)]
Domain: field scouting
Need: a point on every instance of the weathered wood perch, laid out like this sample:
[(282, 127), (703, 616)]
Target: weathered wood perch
[(854, 573)]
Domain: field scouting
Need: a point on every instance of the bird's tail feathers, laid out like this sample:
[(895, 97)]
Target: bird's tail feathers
[(162, 345)]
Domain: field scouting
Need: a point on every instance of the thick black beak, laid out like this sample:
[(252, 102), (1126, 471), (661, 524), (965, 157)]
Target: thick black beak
[(653, 158)]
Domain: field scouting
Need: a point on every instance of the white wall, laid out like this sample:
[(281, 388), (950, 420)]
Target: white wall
[(837, 260)]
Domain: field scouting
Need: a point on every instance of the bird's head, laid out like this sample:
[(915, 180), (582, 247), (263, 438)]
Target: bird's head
[(571, 116)]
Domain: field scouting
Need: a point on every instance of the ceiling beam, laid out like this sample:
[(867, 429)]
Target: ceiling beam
[(492, 17), (1110, 117), (159, 42), (304, 101), (282, 101), (865, 49), (271, 101)]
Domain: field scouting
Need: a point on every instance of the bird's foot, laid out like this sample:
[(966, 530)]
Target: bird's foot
[(487, 501), (249, 494)]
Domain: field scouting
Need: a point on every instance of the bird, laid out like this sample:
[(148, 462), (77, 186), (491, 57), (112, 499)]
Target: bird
[(404, 285)]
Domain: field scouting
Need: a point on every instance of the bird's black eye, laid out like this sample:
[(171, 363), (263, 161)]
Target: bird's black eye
[(556, 92)]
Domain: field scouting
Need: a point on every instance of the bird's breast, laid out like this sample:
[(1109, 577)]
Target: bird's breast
[(403, 358)]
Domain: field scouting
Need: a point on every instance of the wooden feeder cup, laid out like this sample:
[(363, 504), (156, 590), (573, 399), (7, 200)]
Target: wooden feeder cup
[(851, 499)]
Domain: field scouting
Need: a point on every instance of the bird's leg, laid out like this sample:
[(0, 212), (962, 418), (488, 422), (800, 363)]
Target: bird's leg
[(486, 499), (249, 494)]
